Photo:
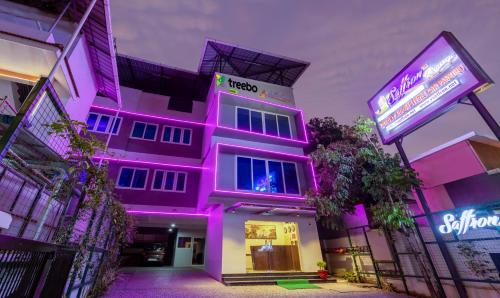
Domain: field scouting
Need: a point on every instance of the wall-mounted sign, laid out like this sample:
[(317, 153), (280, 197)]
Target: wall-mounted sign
[(467, 221), (255, 89), (428, 86)]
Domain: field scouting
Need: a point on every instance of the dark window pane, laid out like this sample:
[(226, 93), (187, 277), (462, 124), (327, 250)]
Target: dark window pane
[(158, 180), (184, 242), (139, 179), (243, 119), (275, 177), (150, 133), (284, 127), (138, 130), (116, 125), (259, 175), (181, 178), (125, 177), (91, 121), (186, 138), (291, 182), (244, 173), (103, 123), (177, 135), (256, 118), (166, 134), (169, 182), (271, 125)]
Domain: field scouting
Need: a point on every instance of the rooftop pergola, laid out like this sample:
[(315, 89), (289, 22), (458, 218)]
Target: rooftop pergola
[(251, 64)]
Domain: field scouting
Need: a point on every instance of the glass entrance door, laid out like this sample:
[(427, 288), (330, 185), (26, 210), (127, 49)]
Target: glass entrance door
[(271, 246)]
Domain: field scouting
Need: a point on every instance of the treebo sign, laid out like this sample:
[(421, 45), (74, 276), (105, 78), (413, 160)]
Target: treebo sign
[(242, 86)]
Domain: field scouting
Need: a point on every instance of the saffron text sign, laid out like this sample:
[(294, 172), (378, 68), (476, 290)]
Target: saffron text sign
[(434, 81), (467, 221)]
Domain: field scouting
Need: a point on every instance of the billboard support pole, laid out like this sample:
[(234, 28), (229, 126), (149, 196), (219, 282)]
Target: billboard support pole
[(442, 246), (487, 117)]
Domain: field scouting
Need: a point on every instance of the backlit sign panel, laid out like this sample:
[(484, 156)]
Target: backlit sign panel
[(427, 87)]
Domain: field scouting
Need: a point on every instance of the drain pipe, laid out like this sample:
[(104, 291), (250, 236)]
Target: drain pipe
[(61, 177)]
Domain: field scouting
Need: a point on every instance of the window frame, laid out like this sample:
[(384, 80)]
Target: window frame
[(144, 132), (164, 178), (171, 140), (133, 175), (267, 175), (262, 119), (109, 127)]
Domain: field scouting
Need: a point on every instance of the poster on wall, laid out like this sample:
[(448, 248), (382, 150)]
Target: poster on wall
[(431, 84), (260, 232)]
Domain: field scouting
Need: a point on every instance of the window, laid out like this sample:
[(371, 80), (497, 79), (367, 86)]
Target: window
[(145, 131), (176, 135), (263, 122), (260, 175), (184, 242), (102, 123), (132, 178), (169, 181)]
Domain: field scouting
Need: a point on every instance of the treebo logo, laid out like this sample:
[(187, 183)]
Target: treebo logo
[(219, 80), (243, 86)]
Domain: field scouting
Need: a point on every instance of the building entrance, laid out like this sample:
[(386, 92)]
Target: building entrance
[(271, 246)]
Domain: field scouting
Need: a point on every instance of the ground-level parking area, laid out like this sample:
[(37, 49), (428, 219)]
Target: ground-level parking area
[(148, 282)]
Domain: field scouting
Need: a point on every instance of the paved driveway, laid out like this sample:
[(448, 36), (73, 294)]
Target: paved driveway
[(187, 282)]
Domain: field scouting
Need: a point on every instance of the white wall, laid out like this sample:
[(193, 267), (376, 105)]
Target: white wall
[(233, 250), (183, 256)]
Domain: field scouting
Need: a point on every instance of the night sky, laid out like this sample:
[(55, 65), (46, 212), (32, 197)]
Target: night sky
[(354, 47)]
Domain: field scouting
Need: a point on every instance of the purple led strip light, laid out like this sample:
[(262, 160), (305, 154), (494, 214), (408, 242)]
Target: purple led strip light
[(149, 116), (265, 151), (166, 213), (267, 103), (147, 163), (300, 198)]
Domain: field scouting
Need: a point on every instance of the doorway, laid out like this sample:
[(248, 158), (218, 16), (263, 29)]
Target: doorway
[(271, 246)]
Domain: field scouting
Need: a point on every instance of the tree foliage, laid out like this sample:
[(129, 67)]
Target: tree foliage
[(352, 168)]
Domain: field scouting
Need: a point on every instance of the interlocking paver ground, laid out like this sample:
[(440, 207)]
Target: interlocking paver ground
[(187, 282)]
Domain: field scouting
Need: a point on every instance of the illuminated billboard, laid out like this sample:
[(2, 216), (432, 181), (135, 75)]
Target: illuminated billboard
[(428, 86)]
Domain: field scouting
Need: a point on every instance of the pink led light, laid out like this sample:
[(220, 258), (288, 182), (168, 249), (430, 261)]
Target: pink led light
[(261, 101), (148, 163), (304, 126), (166, 213), (313, 173), (217, 108), (149, 116), (216, 164), (252, 194), (266, 151), (263, 135)]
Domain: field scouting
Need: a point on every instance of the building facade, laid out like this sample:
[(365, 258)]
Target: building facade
[(215, 158)]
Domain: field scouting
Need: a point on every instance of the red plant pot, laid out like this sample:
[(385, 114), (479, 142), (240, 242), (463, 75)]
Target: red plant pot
[(323, 274)]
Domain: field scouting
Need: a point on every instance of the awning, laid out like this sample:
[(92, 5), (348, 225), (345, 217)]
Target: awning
[(271, 209)]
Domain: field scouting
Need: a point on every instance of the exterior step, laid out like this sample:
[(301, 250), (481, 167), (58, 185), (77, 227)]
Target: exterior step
[(269, 273), (270, 278)]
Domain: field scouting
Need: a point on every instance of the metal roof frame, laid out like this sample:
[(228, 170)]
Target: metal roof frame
[(247, 63)]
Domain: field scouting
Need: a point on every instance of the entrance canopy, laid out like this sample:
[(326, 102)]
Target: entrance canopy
[(271, 209)]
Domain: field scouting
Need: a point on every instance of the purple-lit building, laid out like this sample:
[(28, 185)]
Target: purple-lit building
[(212, 162)]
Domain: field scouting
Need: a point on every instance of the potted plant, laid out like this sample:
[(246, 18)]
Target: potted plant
[(322, 272)]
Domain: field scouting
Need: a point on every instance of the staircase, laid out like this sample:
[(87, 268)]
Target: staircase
[(269, 278)]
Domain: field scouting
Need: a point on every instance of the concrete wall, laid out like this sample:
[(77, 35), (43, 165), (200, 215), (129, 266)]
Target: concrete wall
[(214, 243), (158, 198)]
